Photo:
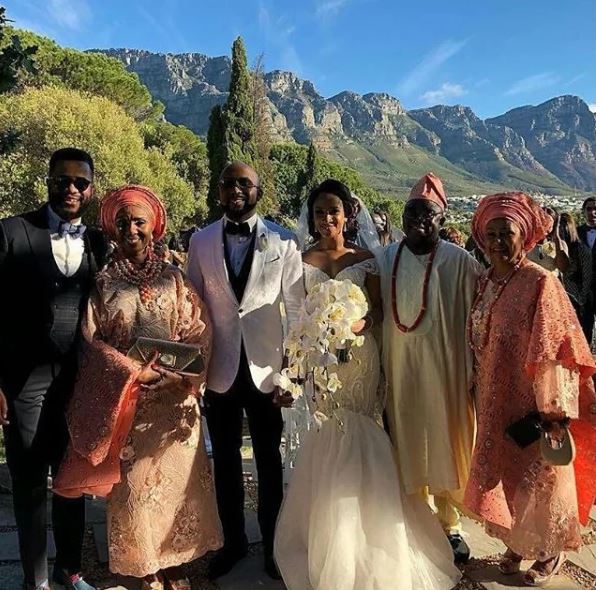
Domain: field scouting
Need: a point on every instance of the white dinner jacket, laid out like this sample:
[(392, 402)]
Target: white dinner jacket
[(275, 278)]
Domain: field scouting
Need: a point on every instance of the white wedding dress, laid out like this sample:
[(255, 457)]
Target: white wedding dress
[(345, 524)]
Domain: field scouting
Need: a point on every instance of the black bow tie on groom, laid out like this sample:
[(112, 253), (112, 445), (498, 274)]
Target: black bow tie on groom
[(238, 229), (76, 231)]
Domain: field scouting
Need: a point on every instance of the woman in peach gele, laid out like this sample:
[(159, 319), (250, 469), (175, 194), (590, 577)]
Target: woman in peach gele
[(136, 430), (533, 368)]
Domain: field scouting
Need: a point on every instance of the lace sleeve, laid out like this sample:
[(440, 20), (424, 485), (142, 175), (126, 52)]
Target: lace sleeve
[(557, 389), (369, 266)]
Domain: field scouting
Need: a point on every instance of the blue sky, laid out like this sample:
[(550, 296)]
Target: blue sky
[(487, 54)]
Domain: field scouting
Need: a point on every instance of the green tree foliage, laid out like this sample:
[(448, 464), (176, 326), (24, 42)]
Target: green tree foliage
[(232, 131), (238, 114), (392, 206), (88, 72), (45, 119), (311, 175), (268, 204), (299, 168), (189, 155), (216, 157), (16, 60)]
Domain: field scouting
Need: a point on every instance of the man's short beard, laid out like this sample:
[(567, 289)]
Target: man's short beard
[(57, 207), (236, 214)]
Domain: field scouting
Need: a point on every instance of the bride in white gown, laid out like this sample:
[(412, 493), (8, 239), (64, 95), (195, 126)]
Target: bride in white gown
[(345, 524)]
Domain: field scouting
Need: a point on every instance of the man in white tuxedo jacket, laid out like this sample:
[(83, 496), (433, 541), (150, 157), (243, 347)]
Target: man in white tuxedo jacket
[(243, 268)]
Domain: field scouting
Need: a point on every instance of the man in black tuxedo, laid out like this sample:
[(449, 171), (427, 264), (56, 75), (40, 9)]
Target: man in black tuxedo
[(587, 234), (48, 261)]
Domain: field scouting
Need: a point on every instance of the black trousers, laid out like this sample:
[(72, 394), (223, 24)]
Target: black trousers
[(35, 441), (224, 413)]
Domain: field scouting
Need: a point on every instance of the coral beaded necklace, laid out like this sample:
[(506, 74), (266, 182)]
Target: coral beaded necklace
[(420, 316)]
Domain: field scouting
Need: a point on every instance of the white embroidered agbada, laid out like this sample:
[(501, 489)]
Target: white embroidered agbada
[(429, 370)]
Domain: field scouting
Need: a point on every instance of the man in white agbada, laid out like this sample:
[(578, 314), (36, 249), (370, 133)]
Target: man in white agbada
[(428, 288)]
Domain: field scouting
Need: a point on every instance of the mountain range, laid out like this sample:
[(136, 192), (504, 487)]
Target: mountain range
[(549, 148)]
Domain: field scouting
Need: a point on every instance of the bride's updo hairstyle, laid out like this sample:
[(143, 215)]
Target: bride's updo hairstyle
[(350, 204)]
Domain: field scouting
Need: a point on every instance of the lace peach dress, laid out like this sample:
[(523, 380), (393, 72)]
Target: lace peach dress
[(161, 507), (530, 355)]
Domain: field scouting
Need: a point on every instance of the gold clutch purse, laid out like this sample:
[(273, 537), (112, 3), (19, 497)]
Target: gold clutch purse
[(185, 359)]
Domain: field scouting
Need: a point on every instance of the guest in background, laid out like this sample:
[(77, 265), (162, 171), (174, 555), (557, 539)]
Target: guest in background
[(471, 247), (176, 251), (387, 235), (48, 261), (453, 235), (587, 234), (532, 364), (552, 252), (136, 430), (577, 279)]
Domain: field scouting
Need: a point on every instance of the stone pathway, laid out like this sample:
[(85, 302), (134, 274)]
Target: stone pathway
[(480, 574)]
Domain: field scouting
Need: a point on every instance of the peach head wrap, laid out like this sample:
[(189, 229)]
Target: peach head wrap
[(132, 195), (534, 223), (430, 187)]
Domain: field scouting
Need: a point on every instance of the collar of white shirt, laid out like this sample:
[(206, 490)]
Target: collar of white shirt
[(252, 221), (54, 221)]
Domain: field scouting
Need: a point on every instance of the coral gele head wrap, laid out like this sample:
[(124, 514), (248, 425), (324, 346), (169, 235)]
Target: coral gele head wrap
[(430, 187), (132, 195), (534, 223)]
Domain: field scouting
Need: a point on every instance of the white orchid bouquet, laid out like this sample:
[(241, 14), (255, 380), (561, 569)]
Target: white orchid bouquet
[(322, 337)]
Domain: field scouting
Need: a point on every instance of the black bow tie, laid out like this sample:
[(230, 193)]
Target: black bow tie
[(76, 231), (238, 229)]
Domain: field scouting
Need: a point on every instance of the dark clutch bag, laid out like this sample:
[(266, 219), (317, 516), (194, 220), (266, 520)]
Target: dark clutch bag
[(185, 359), (526, 430)]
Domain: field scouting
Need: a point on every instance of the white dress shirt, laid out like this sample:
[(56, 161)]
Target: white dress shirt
[(68, 250), (591, 237), (238, 245)]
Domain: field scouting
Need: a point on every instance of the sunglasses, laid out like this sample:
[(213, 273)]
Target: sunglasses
[(424, 216), (62, 183), (241, 183)]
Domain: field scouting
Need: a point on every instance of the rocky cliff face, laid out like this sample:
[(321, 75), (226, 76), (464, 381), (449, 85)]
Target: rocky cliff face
[(188, 84), (561, 134), (555, 141), (474, 143)]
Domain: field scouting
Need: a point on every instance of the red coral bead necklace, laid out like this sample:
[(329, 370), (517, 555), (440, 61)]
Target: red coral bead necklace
[(501, 284), (423, 308)]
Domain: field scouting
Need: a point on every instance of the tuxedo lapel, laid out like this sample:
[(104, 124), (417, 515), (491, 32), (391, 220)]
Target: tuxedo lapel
[(38, 235), (582, 232), (218, 259), (258, 259)]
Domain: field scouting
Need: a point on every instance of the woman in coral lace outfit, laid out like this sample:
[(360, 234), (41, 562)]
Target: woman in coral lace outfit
[(136, 431), (530, 356)]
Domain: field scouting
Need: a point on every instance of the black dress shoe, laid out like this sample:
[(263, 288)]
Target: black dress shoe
[(271, 567), (224, 560), (461, 551)]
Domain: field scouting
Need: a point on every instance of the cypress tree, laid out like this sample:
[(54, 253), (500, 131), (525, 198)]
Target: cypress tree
[(310, 176), (217, 159), (238, 130), (238, 112)]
